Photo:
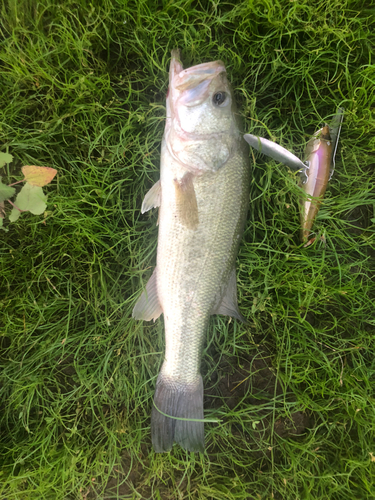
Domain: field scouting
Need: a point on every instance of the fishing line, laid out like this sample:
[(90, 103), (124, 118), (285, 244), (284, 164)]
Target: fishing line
[(211, 420)]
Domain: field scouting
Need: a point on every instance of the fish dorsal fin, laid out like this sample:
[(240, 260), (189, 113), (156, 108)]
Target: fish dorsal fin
[(275, 151), (152, 198), (148, 306), (228, 305), (186, 201)]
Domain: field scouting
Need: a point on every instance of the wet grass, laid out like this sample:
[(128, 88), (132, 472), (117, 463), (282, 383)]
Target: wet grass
[(83, 90)]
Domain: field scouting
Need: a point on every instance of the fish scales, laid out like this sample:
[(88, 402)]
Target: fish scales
[(191, 272), (202, 197)]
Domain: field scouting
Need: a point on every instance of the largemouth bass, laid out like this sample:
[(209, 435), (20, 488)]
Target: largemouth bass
[(316, 169), (202, 197)]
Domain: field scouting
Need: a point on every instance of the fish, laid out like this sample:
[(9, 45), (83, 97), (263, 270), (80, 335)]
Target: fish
[(202, 197), (316, 169)]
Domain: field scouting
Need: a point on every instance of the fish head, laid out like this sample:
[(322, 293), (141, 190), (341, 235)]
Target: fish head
[(202, 99), (201, 128)]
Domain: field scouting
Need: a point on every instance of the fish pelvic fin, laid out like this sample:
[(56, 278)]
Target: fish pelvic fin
[(148, 306), (184, 405)]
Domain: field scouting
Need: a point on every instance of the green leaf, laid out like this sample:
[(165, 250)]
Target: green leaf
[(31, 198), (6, 192), (14, 215), (1, 225), (5, 158)]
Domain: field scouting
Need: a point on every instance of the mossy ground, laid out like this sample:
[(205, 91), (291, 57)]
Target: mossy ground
[(83, 88)]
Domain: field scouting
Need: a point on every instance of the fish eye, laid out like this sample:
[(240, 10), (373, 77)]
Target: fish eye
[(219, 98)]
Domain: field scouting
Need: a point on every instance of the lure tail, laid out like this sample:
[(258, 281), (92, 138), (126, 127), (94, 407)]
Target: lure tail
[(177, 415)]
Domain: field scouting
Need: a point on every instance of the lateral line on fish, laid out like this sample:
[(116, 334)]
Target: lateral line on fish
[(211, 420)]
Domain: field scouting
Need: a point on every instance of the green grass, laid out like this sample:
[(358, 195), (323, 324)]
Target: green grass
[(83, 89)]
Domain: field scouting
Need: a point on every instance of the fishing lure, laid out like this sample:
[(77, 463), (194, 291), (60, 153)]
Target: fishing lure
[(316, 169)]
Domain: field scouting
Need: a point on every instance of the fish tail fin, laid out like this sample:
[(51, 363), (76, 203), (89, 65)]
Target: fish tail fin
[(182, 401)]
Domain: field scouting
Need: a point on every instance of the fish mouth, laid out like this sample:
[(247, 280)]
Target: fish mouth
[(184, 79), (192, 83), (189, 78)]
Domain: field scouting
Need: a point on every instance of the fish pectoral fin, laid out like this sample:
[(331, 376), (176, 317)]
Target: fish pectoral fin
[(152, 198), (228, 305), (148, 306), (186, 201)]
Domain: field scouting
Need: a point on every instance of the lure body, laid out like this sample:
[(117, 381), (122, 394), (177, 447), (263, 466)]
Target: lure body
[(319, 158)]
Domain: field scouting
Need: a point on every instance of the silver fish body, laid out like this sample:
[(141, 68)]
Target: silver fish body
[(203, 198)]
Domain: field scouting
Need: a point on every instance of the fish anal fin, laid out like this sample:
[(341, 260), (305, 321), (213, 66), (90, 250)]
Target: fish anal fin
[(148, 306), (186, 201), (228, 305), (152, 198)]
